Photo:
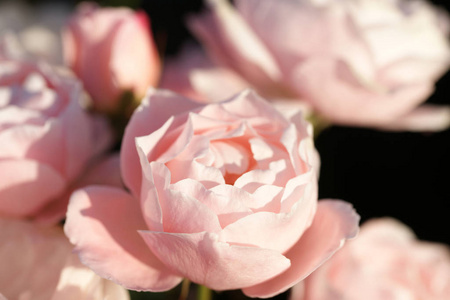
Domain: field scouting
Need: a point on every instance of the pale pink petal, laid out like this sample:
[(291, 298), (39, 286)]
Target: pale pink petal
[(192, 74), (77, 282), (177, 70), (26, 186), (277, 231), (103, 225), (78, 138), (180, 212), (40, 143), (334, 222), (217, 265), (154, 111), (223, 30), (134, 59), (225, 200), (266, 198), (341, 100), (427, 117), (104, 172), (25, 251), (254, 179)]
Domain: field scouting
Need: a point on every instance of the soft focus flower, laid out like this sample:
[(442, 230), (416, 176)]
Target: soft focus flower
[(37, 26), (38, 264), (46, 139), (192, 74), (385, 261), (227, 198), (112, 51), (364, 63)]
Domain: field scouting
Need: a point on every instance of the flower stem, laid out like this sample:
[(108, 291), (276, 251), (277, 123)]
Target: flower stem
[(184, 289), (204, 293)]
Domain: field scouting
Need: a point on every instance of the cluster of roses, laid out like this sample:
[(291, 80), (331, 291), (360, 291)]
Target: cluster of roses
[(216, 180)]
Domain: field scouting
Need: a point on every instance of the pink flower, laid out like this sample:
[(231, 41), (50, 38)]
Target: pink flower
[(192, 74), (363, 63), (112, 51), (386, 261), (227, 198), (38, 263), (46, 139)]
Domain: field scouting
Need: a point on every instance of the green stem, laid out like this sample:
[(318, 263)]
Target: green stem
[(184, 289), (204, 293)]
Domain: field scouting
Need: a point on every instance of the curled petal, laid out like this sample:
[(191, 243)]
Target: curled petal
[(213, 263), (103, 225), (157, 106), (334, 222)]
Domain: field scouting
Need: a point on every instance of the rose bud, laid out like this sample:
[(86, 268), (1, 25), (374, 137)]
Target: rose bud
[(112, 51)]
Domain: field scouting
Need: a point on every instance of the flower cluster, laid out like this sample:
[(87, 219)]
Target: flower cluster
[(123, 171)]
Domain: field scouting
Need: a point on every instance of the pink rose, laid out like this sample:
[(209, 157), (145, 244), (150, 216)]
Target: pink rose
[(46, 138), (192, 74), (385, 261), (227, 198), (38, 263), (363, 63), (112, 51)]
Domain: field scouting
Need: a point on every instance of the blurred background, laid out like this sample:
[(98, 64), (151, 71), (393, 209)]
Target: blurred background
[(402, 175)]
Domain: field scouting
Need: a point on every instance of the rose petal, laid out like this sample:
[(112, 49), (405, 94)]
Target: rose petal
[(26, 186), (377, 107), (102, 223), (334, 222), (224, 22), (155, 109), (40, 143), (276, 231), (427, 117), (226, 201), (219, 266)]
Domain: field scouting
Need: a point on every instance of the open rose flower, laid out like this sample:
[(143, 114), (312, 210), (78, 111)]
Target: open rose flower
[(363, 63), (38, 263), (223, 194), (112, 51), (46, 138), (385, 261)]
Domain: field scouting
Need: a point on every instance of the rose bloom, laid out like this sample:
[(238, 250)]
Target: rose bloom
[(385, 261), (112, 51), (38, 264), (46, 138), (363, 63), (223, 194)]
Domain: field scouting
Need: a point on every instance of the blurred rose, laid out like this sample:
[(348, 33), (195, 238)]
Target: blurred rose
[(112, 51), (228, 199), (364, 63), (37, 26), (192, 74), (384, 262), (46, 139), (40, 266)]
